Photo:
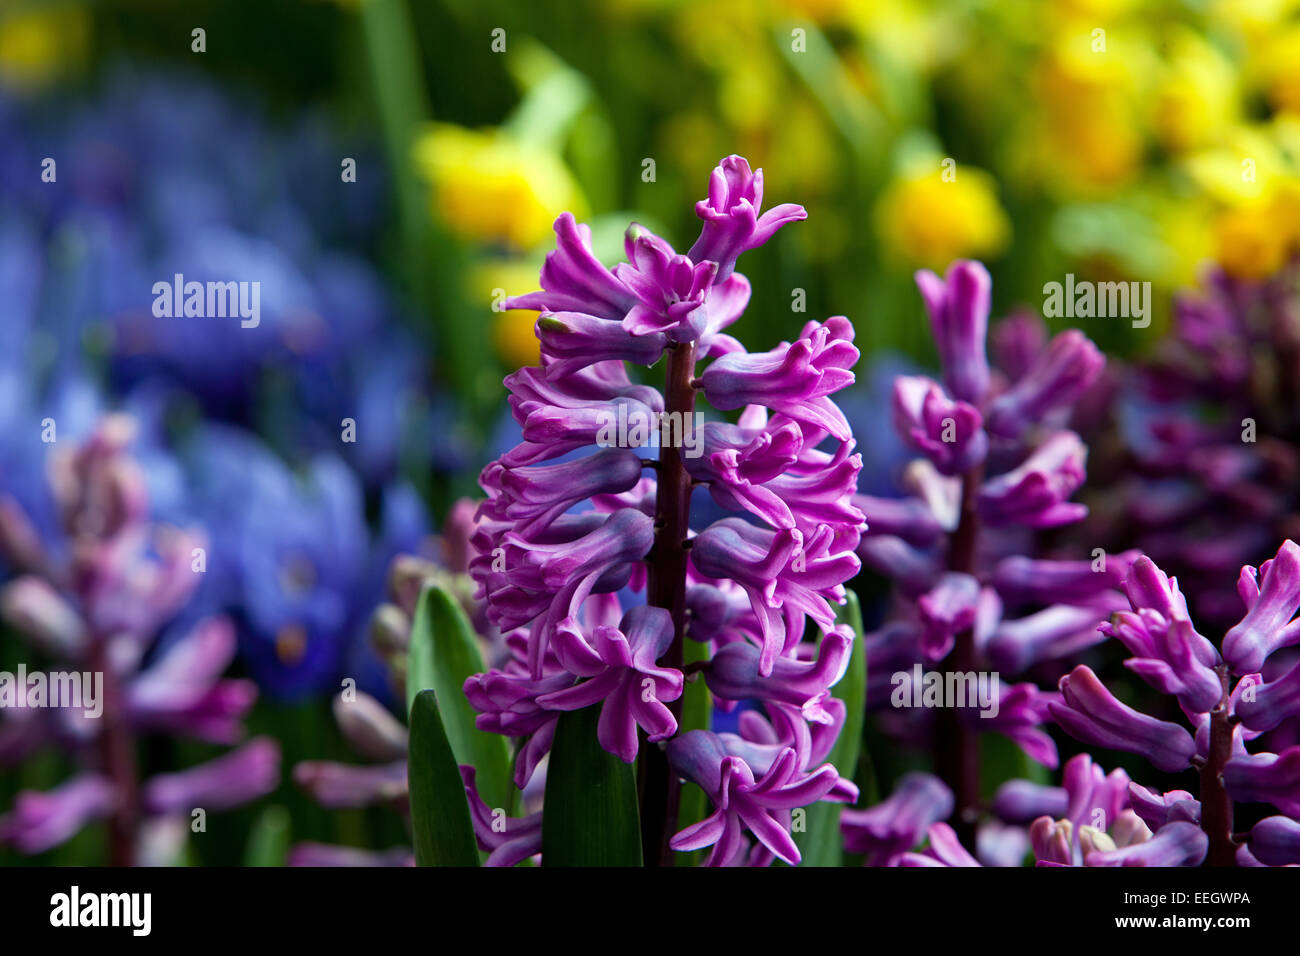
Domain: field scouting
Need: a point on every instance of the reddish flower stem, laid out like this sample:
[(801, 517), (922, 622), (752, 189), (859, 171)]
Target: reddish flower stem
[(957, 744), (660, 788), (1216, 805), (118, 763)]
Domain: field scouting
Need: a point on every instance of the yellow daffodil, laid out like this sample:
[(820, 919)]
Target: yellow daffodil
[(1197, 95), (1280, 68), (489, 188), (930, 218), (1248, 240), (513, 337)]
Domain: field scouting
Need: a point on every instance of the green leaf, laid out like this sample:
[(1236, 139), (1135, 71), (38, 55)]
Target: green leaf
[(697, 706), (821, 844), (268, 841), (440, 821), (589, 816), (444, 652)]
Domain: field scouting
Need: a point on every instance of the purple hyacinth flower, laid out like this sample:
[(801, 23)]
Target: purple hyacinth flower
[(670, 288), (232, 779), (913, 570), (1052, 841), (944, 850), (1275, 841), (1096, 798), (945, 611), (618, 664), (1091, 714), (1050, 634), (1021, 578), (1036, 493), (882, 833), (735, 674), (1057, 379), (909, 519), (794, 378), (767, 471), (1178, 844), (1157, 809), (780, 571), (574, 340), (1267, 626), (950, 434), (507, 840), (533, 497), (573, 280), (1262, 707), (182, 693), (44, 617), (1266, 778), (556, 577), (732, 223), (1168, 653), (1022, 801), (959, 318), (369, 728), (39, 821), (336, 785), (1021, 710), (741, 800)]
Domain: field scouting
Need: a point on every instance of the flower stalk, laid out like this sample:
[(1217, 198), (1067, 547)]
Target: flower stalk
[(958, 743), (1216, 804), (660, 787)]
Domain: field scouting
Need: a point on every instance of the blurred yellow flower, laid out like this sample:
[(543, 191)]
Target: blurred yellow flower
[(1197, 95), (1086, 87), (1280, 68), (1250, 241), (1244, 167), (513, 335), (36, 47), (488, 187), (936, 216)]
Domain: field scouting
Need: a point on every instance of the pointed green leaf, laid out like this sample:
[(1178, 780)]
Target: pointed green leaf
[(590, 815), (268, 840), (821, 844), (444, 652), (697, 706), (440, 821)]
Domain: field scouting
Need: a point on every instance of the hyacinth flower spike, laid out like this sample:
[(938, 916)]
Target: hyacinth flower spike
[(101, 609), (1226, 703), (994, 462), (592, 571)]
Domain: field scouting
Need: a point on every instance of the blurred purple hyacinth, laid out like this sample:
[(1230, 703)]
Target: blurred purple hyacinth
[(1210, 430), (1226, 703), (370, 728), (590, 566), (97, 606), (996, 465), (142, 196)]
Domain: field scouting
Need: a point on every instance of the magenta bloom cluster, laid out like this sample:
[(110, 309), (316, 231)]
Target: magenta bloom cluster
[(95, 608), (586, 558), (1227, 702), (996, 462)]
